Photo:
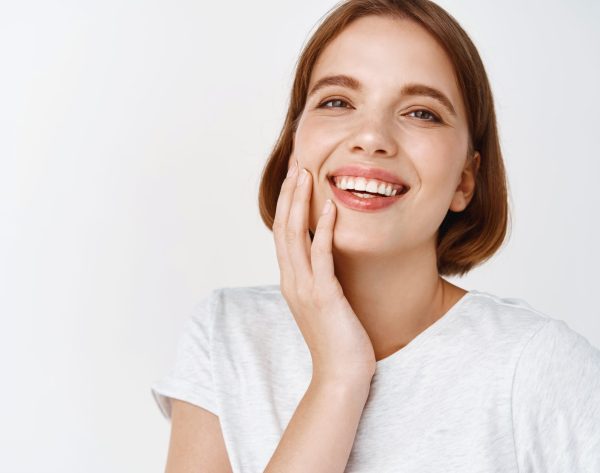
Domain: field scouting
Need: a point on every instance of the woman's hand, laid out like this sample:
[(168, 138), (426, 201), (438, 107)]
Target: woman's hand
[(339, 345)]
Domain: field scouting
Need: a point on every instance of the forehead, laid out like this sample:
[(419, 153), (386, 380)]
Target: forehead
[(384, 53)]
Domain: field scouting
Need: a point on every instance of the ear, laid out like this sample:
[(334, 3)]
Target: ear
[(466, 187)]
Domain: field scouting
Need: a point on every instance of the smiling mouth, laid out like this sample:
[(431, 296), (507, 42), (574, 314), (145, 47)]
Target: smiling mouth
[(368, 194)]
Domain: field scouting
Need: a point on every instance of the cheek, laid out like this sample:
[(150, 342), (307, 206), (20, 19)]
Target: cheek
[(316, 138), (438, 160), (314, 142)]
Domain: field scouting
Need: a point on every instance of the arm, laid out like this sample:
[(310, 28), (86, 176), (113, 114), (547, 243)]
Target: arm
[(320, 434), (196, 441)]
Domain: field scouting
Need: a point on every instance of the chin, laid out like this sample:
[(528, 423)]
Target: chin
[(357, 242)]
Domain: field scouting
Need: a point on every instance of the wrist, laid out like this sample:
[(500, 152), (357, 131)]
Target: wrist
[(356, 382)]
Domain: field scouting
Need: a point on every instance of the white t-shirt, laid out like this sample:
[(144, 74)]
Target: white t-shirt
[(492, 386)]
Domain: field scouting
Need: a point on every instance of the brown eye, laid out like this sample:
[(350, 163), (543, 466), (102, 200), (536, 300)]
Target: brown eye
[(338, 101), (426, 115)]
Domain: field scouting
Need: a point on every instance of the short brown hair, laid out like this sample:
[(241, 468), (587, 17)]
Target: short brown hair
[(465, 239)]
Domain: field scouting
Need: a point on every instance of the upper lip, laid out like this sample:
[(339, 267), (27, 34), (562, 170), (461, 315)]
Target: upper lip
[(369, 173)]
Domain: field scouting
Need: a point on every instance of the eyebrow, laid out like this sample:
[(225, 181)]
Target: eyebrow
[(408, 89)]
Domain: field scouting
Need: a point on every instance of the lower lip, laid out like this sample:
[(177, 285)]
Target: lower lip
[(363, 203)]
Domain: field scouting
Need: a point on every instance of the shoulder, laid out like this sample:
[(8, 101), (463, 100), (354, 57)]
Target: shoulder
[(541, 331), (220, 307), (257, 294), (557, 358), (505, 306), (501, 320), (556, 390), (235, 307), (253, 326), (556, 368), (223, 297), (511, 327), (247, 299)]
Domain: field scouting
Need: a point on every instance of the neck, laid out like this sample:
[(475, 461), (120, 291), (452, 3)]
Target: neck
[(395, 298)]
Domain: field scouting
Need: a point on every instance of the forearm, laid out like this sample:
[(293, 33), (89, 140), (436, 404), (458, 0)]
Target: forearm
[(320, 434)]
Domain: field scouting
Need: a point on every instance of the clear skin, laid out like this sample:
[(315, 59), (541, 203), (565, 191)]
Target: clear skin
[(369, 284)]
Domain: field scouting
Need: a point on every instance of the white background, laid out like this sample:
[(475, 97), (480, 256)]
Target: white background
[(132, 136)]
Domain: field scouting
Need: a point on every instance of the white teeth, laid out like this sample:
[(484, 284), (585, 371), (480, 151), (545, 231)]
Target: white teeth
[(360, 184), (372, 186), (369, 185), (364, 196)]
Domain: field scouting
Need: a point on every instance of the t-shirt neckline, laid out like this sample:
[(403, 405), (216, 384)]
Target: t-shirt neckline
[(428, 332)]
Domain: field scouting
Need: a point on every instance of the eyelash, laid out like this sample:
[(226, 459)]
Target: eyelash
[(435, 119)]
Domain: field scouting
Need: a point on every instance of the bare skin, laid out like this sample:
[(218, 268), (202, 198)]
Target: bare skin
[(385, 261), (367, 284)]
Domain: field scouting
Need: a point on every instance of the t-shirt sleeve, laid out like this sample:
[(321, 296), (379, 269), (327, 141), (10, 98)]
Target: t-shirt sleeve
[(556, 402), (191, 377)]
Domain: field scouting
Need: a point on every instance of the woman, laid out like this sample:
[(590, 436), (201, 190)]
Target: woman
[(364, 358)]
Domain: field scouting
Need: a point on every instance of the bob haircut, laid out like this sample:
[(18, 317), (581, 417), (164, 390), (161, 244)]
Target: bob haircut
[(467, 238)]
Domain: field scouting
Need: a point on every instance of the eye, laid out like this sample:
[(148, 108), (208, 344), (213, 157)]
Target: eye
[(426, 113), (334, 100)]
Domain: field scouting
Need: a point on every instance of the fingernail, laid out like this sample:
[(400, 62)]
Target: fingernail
[(292, 169), (302, 176), (326, 207)]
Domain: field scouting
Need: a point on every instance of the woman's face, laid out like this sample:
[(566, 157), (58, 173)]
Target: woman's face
[(378, 126)]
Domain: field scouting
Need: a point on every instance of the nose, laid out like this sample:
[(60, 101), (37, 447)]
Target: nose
[(374, 136)]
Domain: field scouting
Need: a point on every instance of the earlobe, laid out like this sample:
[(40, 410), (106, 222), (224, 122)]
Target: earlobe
[(476, 162), (466, 186)]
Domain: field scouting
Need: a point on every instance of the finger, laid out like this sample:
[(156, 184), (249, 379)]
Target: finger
[(282, 210), (321, 250), (298, 241)]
